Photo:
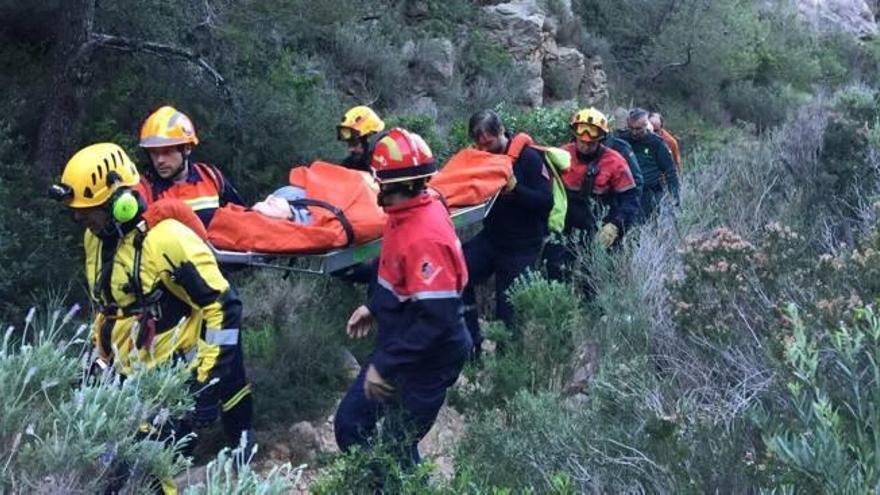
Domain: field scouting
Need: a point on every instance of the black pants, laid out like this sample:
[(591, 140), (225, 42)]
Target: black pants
[(484, 259)]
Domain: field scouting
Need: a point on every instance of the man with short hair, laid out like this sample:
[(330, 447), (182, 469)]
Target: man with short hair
[(671, 141), (516, 228), (598, 180), (655, 160), (169, 137)]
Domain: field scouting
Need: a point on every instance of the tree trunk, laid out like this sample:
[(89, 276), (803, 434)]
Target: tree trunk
[(59, 129)]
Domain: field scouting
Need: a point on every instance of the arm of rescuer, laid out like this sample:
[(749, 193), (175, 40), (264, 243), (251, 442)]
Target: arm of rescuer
[(192, 272), (533, 189), (625, 205), (435, 276), (667, 167)]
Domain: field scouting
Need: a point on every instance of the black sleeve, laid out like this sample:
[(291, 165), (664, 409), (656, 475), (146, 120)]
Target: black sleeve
[(533, 188), (624, 209)]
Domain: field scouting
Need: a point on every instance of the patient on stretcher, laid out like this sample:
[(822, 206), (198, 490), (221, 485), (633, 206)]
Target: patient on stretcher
[(277, 205)]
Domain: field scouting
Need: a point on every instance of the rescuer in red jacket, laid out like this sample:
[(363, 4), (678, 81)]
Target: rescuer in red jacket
[(422, 341)]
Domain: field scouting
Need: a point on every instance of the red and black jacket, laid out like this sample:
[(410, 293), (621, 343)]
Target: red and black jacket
[(604, 180), (417, 300), (205, 189)]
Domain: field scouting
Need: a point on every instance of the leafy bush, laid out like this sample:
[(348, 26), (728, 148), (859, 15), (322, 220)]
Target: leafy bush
[(30, 220), (547, 126), (827, 440), (536, 352), (231, 473), (61, 429), (64, 429), (288, 321), (538, 440)]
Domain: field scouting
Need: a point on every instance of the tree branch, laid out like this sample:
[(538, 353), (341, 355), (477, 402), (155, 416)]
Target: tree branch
[(672, 65), (100, 40)]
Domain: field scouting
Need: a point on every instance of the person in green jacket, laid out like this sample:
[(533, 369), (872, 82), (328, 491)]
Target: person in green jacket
[(659, 176)]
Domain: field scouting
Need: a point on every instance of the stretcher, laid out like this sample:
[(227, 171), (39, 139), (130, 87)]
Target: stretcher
[(347, 222), (341, 258)]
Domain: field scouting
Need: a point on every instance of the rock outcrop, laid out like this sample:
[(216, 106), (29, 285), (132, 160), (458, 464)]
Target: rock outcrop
[(552, 72), (853, 16)]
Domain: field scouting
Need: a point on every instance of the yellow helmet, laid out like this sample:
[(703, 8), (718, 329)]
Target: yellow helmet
[(589, 124), (168, 127), (93, 174), (360, 121)]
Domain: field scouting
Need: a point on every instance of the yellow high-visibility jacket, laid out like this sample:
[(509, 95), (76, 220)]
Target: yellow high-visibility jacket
[(197, 316)]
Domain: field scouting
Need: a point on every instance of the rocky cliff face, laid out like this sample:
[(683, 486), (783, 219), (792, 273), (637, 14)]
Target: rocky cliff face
[(852, 16), (552, 72)]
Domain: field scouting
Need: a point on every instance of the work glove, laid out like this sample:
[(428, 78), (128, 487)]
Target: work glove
[(608, 234), (511, 184), (375, 387)]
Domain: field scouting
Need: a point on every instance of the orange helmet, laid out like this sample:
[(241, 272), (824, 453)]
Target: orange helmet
[(401, 155), (589, 124), (168, 127), (360, 121)]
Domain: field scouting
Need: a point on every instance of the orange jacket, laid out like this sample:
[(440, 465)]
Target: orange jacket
[(672, 142)]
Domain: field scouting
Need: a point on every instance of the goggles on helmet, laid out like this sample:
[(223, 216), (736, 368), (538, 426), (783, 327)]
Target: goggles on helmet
[(61, 193), (347, 133), (586, 132)]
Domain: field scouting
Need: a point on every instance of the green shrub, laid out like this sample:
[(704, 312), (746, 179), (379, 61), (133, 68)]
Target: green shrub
[(63, 429), (361, 471), (289, 321), (827, 438), (60, 429), (231, 473), (547, 126), (538, 442), (536, 352)]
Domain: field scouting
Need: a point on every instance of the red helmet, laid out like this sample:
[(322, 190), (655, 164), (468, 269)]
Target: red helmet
[(401, 155)]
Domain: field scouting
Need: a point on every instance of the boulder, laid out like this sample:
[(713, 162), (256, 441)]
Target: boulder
[(593, 89), (564, 73), (430, 63), (518, 26)]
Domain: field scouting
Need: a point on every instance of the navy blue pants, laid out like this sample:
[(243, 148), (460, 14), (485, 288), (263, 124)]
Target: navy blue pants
[(650, 202), (409, 414), (484, 260)]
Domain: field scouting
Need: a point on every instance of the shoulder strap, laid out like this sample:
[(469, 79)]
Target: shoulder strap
[(214, 174), (517, 143), (592, 172)]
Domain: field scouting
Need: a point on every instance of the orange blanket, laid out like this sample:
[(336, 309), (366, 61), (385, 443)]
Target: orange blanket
[(472, 177), (239, 229)]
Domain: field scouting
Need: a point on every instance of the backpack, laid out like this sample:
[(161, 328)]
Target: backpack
[(557, 161)]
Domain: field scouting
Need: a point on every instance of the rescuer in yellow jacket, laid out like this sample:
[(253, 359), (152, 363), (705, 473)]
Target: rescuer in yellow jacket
[(158, 291)]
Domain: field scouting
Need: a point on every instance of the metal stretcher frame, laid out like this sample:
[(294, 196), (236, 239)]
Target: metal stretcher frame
[(337, 259)]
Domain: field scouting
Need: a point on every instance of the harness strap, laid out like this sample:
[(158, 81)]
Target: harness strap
[(346, 225)]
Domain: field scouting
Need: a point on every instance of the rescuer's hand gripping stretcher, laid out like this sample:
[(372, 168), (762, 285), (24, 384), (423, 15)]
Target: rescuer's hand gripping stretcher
[(337, 222)]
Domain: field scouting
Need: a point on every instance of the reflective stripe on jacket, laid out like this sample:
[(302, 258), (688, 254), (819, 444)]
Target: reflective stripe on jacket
[(417, 301), (194, 311)]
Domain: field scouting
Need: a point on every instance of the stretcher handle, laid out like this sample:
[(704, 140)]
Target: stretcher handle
[(346, 225)]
